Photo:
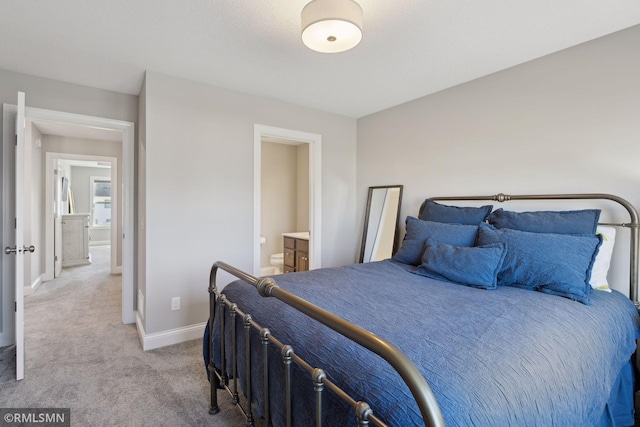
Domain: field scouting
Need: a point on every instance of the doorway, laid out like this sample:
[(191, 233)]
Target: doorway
[(312, 151), (80, 172), (81, 123), (87, 178)]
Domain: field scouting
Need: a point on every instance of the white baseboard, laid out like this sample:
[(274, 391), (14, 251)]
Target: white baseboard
[(78, 262), (28, 290), (116, 270), (169, 337), (99, 242)]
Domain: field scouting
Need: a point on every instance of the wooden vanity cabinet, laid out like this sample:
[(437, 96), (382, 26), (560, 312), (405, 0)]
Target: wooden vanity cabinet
[(289, 259), (296, 255)]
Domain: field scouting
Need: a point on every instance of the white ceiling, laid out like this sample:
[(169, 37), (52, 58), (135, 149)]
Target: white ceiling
[(410, 48)]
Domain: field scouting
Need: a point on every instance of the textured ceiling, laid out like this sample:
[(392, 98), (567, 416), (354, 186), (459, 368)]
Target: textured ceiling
[(410, 48)]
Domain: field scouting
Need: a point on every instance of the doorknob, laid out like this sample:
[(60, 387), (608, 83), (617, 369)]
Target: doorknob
[(14, 250)]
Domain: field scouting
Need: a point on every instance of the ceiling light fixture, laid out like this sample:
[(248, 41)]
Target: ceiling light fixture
[(331, 26)]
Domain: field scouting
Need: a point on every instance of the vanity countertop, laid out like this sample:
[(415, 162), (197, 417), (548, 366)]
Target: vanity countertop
[(298, 235)]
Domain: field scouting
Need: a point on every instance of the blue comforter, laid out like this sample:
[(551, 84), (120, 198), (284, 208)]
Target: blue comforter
[(505, 357)]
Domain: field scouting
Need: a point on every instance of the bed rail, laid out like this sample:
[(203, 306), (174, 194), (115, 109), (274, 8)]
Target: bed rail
[(267, 287), (633, 225)]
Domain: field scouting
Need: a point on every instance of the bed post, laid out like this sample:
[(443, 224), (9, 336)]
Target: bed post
[(213, 377), (317, 376)]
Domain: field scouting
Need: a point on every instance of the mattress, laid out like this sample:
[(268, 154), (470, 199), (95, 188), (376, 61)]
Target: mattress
[(498, 357)]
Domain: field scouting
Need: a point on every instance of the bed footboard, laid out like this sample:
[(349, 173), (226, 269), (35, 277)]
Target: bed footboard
[(267, 287)]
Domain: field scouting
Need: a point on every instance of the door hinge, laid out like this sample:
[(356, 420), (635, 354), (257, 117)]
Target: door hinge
[(16, 140), (15, 223), (15, 306), (55, 258)]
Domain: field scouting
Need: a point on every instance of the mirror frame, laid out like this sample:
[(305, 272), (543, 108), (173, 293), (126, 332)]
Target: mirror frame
[(368, 213)]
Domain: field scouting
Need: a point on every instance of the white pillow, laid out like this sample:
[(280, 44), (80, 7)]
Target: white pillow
[(603, 259)]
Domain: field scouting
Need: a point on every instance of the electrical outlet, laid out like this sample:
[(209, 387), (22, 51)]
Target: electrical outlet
[(175, 303)]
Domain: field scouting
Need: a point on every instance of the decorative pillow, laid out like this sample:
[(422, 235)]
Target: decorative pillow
[(418, 231), (559, 222), (432, 211), (558, 264), (477, 266), (603, 259)]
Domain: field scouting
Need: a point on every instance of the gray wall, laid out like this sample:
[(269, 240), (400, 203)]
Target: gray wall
[(199, 186), (568, 122), (60, 96), (278, 197)]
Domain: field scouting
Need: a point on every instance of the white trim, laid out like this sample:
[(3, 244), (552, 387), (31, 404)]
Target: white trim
[(103, 243), (127, 185), (169, 337), (77, 262), (117, 270), (315, 189), (29, 290)]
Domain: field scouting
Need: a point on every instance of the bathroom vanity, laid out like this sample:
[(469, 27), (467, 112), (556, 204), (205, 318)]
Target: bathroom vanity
[(296, 252), (75, 240)]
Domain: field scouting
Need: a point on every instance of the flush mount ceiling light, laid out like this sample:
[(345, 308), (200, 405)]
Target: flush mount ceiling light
[(331, 26)]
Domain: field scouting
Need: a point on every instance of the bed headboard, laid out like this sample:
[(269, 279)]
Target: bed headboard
[(633, 225)]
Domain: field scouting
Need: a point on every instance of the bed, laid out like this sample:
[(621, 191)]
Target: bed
[(438, 339)]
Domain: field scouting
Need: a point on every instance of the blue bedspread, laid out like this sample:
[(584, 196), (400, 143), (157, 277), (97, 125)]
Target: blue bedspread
[(505, 357)]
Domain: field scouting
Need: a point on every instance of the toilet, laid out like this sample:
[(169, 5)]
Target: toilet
[(277, 260)]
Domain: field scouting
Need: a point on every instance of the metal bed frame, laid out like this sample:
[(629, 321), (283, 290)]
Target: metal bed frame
[(364, 415)]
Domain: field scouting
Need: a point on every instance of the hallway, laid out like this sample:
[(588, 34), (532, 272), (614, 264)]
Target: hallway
[(79, 355)]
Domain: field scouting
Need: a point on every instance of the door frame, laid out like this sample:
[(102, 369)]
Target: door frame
[(50, 159), (315, 189), (127, 186)]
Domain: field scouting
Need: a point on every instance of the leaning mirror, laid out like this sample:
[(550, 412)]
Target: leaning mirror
[(379, 238)]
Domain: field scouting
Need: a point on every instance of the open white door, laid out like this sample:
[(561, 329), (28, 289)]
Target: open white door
[(19, 250)]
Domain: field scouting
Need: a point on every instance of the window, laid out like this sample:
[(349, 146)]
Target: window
[(100, 202)]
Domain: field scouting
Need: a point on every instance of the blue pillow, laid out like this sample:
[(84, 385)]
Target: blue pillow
[(560, 222), (558, 264), (418, 231), (477, 266), (432, 211)]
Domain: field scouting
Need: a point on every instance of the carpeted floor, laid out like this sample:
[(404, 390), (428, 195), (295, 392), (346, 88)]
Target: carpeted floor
[(79, 355)]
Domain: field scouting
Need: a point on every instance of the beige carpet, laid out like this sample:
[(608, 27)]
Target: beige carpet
[(79, 355)]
